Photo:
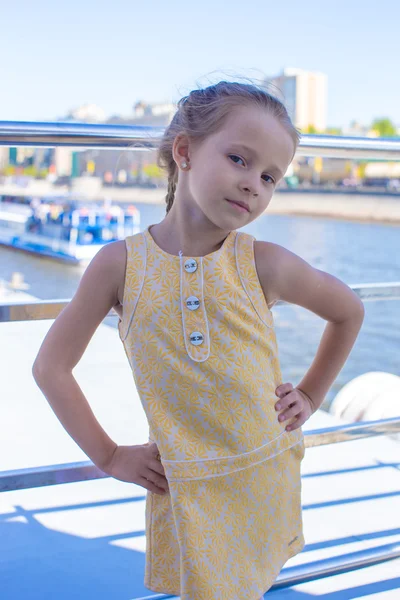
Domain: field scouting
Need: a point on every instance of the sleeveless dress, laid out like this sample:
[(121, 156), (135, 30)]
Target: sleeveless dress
[(200, 340)]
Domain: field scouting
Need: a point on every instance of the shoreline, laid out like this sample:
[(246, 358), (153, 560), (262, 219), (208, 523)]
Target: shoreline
[(345, 207)]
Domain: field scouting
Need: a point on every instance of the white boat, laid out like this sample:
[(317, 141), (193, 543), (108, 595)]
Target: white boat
[(64, 228)]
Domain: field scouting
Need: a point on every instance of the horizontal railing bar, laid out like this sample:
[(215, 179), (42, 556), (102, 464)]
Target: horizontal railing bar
[(336, 565), (23, 479), (50, 309), (84, 471), (352, 431), (373, 291), (321, 569), (79, 135), (34, 311), (139, 137), (377, 291)]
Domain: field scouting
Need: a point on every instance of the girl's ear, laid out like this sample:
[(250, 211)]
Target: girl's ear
[(180, 149)]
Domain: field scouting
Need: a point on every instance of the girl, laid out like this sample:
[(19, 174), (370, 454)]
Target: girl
[(222, 465)]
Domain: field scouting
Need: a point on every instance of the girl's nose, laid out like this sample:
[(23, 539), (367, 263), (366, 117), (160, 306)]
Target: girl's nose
[(249, 188)]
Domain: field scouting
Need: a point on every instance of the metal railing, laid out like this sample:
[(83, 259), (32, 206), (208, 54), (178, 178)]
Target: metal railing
[(135, 137), (142, 138), (22, 479), (50, 309), (85, 471)]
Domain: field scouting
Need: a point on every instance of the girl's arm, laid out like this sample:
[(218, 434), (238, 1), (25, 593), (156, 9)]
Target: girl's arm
[(65, 344), (285, 276), (101, 287)]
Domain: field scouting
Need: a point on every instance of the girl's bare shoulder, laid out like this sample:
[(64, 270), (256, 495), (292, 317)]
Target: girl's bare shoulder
[(269, 259), (285, 276), (109, 266), (114, 258), (269, 254)]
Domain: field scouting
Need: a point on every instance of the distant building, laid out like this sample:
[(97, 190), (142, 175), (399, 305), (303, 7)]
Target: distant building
[(356, 129), (304, 94), (157, 115), (4, 157), (62, 160), (142, 110), (87, 113)]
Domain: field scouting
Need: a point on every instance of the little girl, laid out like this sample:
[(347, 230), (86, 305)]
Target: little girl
[(222, 465)]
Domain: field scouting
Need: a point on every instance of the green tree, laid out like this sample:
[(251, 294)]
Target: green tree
[(333, 131), (153, 171), (310, 129), (9, 170), (31, 171), (384, 127)]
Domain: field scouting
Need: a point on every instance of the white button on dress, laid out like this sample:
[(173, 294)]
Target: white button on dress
[(190, 265), (192, 303), (196, 338)]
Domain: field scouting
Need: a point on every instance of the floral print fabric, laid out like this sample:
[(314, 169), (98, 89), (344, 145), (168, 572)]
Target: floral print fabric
[(233, 515)]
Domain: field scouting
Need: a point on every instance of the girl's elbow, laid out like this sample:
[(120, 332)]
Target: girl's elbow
[(38, 371), (352, 312), (357, 312), (42, 369), (360, 310)]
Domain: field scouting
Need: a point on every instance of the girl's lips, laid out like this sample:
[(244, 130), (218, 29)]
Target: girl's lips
[(242, 206)]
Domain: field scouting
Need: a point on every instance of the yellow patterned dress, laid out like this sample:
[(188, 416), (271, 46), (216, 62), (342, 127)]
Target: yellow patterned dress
[(200, 340)]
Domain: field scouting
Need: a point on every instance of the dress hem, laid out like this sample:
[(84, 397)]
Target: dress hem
[(295, 549), (161, 590)]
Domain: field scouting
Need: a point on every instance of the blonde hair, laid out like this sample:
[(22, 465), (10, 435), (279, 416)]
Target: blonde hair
[(202, 113)]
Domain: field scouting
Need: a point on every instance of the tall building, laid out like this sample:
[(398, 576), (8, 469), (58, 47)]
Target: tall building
[(4, 156), (304, 94)]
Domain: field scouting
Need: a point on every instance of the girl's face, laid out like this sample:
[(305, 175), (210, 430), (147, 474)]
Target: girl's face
[(234, 172)]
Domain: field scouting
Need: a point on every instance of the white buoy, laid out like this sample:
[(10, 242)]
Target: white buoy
[(370, 397)]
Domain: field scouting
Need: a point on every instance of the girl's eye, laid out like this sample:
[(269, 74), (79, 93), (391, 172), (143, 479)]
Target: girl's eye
[(270, 179), (236, 158)]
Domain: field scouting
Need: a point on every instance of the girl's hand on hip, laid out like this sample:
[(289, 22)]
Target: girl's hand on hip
[(141, 465), (293, 403)]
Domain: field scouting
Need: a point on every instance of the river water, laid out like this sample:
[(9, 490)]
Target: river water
[(354, 252)]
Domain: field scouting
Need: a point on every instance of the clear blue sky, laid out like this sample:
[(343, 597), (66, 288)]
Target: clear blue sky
[(58, 55)]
